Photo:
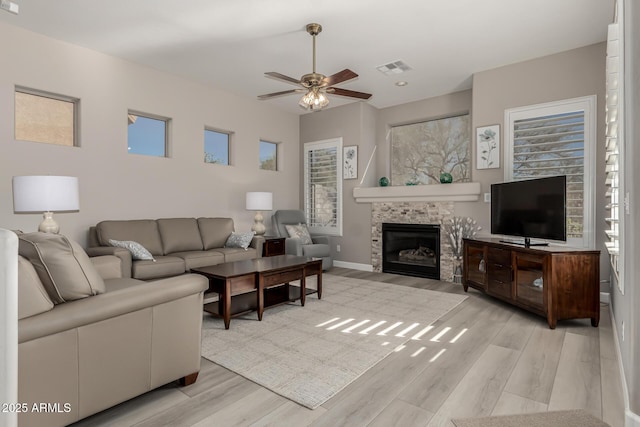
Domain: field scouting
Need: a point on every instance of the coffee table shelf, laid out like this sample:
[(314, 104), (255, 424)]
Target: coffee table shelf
[(253, 285)]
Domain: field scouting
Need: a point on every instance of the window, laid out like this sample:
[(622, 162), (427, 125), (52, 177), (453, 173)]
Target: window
[(420, 152), (148, 134), (323, 186), (552, 139), (216, 147), (46, 117), (268, 156), (614, 137)]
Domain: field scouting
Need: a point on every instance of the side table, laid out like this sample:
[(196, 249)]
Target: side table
[(273, 246)]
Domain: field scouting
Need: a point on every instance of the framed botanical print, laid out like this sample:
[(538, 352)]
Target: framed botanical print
[(350, 161), (488, 147)]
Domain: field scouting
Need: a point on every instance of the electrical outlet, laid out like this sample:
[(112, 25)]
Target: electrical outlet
[(338, 248), (487, 197)]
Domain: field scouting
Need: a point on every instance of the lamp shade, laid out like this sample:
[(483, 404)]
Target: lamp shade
[(45, 193), (259, 201)]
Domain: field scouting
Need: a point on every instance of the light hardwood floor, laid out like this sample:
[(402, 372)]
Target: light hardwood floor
[(504, 361)]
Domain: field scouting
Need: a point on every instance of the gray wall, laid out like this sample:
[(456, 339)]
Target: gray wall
[(118, 185), (571, 74), (575, 73), (355, 124), (625, 306)]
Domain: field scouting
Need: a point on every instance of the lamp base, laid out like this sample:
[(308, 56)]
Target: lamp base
[(48, 224), (258, 224)]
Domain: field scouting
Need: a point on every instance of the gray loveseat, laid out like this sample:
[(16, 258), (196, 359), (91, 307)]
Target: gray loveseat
[(90, 339), (177, 244)]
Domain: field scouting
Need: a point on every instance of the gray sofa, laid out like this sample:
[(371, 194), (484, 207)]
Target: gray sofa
[(177, 244), (90, 339)]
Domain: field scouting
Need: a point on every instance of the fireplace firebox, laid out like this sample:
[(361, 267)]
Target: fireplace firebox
[(411, 249)]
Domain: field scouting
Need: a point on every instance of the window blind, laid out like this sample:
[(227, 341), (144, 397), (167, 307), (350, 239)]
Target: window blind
[(613, 106), (549, 146), (322, 198)]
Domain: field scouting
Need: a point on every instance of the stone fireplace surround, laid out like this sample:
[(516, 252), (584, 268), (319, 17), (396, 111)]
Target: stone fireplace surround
[(415, 204), (412, 213)]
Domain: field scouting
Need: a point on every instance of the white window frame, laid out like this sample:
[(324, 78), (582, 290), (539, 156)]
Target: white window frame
[(586, 104), (310, 146), (167, 130)]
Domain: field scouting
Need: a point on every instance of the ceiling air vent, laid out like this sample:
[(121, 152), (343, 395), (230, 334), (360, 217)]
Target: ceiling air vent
[(392, 68)]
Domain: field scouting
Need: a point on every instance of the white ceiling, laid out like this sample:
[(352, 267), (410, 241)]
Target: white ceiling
[(229, 44)]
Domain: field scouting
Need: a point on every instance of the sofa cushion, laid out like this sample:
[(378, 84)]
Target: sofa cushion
[(32, 298), (195, 259), (179, 234), (163, 266), (237, 254), (137, 250), (317, 250), (62, 265), (143, 231), (239, 240), (299, 231), (215, 231)]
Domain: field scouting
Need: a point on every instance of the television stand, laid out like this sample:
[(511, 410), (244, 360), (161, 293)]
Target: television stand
[(556, 282), (527, 243)]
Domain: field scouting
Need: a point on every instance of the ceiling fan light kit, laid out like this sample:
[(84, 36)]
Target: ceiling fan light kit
[(316, 85)]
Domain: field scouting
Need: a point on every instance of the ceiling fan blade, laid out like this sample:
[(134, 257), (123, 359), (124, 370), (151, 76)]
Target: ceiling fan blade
[(339, 77), (282, 77), (283, 93), (349, 93)]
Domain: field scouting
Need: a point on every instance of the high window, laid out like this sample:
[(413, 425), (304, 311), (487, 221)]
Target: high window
[(46, 117), (552, 139), (216, 146), (323, 186), (268, 155), (421, 152), (148, 134)]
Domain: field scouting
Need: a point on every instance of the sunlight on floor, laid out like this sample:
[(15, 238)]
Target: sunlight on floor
[(352, 325)]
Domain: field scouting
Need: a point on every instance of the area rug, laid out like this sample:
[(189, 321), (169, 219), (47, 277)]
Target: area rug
[(308, 354), (573, 418)]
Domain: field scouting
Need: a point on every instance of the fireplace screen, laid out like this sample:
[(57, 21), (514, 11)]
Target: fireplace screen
[(411, 249)]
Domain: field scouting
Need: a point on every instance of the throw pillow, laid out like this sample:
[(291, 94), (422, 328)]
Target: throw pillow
[(239, 240), (137, 250), (62, 265), (301, 232)]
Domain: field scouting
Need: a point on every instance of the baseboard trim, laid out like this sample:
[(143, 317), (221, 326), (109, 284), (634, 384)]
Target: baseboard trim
[(353, 265), (605, 297), (631, 419)]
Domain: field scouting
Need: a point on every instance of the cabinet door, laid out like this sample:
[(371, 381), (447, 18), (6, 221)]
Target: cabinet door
[(529, 280), (499, 278), (475, 268)]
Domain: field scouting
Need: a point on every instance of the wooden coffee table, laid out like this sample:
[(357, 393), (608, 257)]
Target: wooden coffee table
[(256, 284)]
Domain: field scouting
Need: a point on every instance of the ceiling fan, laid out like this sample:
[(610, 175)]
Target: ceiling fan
[(316, 85)]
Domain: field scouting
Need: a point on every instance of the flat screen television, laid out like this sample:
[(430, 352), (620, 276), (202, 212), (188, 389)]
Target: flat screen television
[(534, 208)]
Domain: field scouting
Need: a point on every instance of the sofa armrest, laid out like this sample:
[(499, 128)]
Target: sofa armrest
[(257, 243), (320, 239), (108, 266), (105, 306), (123, 254), (292, 246)]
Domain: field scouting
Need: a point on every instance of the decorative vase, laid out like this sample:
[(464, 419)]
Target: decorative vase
[(384, 181), (457, 271), (446, 178)]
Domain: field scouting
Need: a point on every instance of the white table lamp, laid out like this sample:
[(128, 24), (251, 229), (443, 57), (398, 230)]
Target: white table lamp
[(259, 201), (46, 194)]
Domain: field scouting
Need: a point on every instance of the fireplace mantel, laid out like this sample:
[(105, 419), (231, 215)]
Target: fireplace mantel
[(456, 192)]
